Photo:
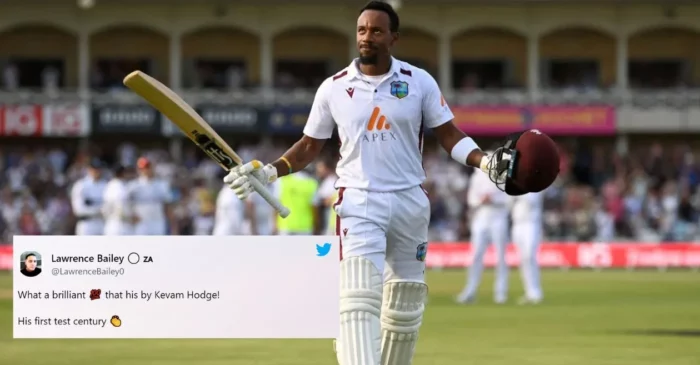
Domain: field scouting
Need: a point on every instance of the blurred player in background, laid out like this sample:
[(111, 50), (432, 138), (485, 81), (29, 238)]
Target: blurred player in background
[(326, 195), (298, 193), (86, 200), (229, 219), (381, 106), (151, 197), (202, 205), (118, 208), (262, 216), (489, 224), (527, 234)]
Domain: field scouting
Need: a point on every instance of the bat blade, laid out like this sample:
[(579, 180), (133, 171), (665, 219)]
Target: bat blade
[(184, 117), (168, 103)]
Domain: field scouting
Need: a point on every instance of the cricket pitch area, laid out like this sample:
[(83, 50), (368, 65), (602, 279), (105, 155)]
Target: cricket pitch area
[(588, 318)]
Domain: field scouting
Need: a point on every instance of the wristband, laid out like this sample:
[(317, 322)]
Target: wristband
[(462, 149), (289, 164)]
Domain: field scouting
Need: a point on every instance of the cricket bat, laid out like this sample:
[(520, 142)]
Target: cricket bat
[(193, 125)]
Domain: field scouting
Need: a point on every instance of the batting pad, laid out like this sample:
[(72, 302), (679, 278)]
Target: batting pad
[(402, 315), (360, 307)]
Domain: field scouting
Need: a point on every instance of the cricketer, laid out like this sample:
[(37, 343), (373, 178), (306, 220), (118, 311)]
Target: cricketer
[(380, 106)]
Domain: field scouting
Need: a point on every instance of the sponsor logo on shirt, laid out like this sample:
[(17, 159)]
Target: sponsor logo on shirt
[(378, 128)]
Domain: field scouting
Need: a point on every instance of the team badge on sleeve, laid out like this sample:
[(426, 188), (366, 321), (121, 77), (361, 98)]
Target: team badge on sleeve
[(422, 251), (399, 89)]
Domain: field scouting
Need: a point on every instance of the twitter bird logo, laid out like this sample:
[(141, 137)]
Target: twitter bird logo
[(324, 249)]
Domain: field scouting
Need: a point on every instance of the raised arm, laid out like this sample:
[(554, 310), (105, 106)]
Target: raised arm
[(319, 127)]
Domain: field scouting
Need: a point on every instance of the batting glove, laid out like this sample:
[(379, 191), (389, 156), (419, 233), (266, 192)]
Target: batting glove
[(496, 166), (238, 179)]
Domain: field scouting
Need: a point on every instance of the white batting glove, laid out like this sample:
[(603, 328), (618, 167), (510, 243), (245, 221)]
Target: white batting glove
[(238, 179)]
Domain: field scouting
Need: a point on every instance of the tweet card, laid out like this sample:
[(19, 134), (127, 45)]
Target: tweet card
[(176, 286)]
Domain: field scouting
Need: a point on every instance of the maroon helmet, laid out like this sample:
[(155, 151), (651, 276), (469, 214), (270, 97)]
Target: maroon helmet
[(528, 162)]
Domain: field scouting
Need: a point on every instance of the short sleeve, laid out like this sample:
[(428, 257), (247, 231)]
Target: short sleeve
[(320, 124), (436, 112)]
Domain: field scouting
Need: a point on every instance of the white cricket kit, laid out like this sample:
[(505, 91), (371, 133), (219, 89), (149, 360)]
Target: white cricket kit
[(229, 217), (86, 200), (118, 207), (150, 197), (382, 209), (380, 122), (489, 224), (526, 215)]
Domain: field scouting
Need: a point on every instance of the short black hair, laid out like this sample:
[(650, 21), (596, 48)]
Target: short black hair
[(388, 9), (28, 255)]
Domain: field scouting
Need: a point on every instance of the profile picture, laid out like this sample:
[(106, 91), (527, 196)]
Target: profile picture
[(30, 264)]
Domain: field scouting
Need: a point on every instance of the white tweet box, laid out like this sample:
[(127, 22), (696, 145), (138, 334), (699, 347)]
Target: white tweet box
[(177, 287)]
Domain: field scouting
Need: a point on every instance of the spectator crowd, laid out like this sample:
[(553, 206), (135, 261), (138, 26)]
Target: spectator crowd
[(602, 195)]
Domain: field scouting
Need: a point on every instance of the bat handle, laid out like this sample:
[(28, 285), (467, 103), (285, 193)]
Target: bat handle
[(265, 193)]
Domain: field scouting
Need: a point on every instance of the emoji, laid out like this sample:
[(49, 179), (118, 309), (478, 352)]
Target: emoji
[(95, 294), (115, 321)]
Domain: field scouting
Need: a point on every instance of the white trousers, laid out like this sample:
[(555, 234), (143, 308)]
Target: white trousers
[(390, 229), (527, 238), (485, 231), (384, 241)]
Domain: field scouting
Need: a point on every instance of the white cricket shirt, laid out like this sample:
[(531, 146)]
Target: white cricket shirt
[(380, 127), (230, 213), (87, 197), (149, 198), (117, 202), (480, 188)]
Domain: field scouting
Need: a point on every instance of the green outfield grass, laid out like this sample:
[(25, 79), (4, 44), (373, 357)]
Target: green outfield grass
[(589, 318)]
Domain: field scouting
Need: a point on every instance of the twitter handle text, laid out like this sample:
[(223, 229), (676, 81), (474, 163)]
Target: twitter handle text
[(59, 271)]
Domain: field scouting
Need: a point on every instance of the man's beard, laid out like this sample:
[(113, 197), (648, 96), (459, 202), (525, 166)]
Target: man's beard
[(369, 60)]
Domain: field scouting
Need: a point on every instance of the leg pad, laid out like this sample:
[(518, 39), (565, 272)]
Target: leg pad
[(402, 315), (360, 307)]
